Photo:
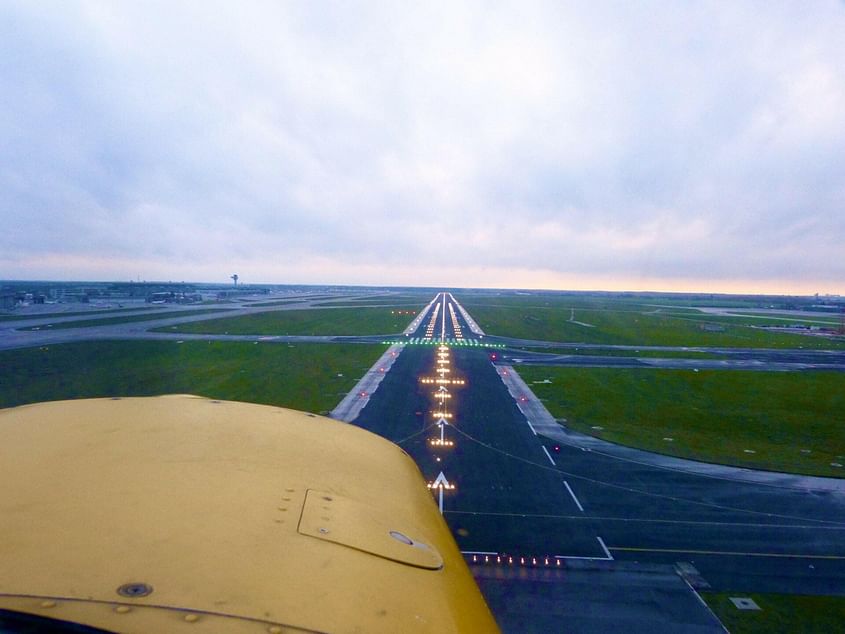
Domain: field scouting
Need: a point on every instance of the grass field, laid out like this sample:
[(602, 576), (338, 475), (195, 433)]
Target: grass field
[(321, 321), (761, 321), (636, 301), (598, 302), (820, 318), (303, 377), (123, 319), (396, 300), (632, 327), (386, 302), (613, 352), (790, 421), (280, 302), (110, 311), (779, 613)]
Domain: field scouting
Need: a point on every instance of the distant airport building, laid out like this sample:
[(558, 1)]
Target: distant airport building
[(172, 297), (8, 301)]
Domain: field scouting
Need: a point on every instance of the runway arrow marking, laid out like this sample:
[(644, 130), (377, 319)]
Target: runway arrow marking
[(441, 482)]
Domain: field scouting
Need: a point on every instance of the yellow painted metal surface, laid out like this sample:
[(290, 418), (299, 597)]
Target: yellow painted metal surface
[(216, 508), (344, 521)]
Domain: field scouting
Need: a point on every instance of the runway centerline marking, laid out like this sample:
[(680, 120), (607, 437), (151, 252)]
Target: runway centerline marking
[(548, 455), (534, 431), (575, 499), (729, 553)]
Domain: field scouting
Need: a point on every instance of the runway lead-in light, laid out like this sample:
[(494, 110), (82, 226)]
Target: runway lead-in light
[(442, 441), (532, 561)]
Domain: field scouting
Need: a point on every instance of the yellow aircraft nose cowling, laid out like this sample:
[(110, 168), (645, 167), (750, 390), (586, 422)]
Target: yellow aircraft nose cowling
[(180, 513)]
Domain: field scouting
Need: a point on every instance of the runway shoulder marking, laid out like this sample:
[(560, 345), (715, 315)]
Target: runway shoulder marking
[(692, 551)]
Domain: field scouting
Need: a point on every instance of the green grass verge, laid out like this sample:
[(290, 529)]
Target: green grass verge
[(779, 613), (761, 321), (123, 319), (612, 352), (281, 302), (816, 318), (631, 327), (422, 299), (686, 303), (392, 305), (791, 421), (113, 311), (302, 377), (319, 321)]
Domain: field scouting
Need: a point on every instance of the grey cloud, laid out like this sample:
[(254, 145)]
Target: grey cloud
[(666, 141)]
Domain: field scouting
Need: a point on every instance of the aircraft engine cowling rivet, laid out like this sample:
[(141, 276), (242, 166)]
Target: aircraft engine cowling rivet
[(135, 590)]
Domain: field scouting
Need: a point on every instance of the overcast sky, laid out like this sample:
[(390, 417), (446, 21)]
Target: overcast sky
[(607, 145)]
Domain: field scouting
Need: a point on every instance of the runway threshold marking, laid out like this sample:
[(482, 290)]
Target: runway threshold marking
[(548, 455), (691, 551), (575, 499)]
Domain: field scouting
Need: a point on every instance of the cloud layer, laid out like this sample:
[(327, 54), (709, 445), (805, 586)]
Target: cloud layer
[(566, 145)]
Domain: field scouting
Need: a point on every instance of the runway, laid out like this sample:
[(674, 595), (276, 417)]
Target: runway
[(763, 360), (568, 523), (522, 500)]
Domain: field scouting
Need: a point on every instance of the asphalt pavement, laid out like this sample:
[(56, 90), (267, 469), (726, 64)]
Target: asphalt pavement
[(581, 533), (527, 508)]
